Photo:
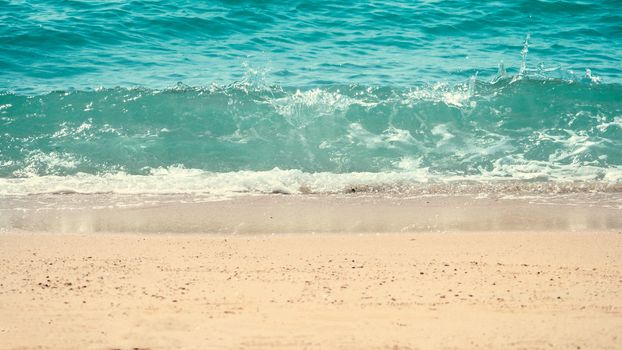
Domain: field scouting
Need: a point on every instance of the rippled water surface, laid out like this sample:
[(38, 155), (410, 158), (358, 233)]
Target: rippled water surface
[(85, 44)]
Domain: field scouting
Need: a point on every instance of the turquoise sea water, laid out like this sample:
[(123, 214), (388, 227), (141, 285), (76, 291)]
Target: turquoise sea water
[(265, 96)]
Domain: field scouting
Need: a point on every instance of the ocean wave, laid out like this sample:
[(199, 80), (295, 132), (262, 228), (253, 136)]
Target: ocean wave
[(177, 180), (515, 127)]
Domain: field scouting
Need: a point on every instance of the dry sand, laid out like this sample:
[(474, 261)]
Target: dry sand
[(485, 290)]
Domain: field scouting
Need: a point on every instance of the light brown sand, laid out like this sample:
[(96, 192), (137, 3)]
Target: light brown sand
[(554, 290), (312, 214)]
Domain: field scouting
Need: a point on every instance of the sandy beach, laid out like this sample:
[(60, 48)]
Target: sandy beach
[(322, 175), (485, 290)]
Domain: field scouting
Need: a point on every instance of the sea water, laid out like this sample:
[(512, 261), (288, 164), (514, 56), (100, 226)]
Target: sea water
[(220, 98)]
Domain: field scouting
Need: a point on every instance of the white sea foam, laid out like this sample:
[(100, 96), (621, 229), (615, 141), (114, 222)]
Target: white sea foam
[(303, 107), (52, 161), (194, 181), (180, 180), (391, 136), (442, 131)]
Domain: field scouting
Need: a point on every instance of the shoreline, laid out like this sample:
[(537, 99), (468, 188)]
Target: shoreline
[(266, 214), (490, 290)]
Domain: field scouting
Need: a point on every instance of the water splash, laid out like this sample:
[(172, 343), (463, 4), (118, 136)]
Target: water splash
[(523, 54)]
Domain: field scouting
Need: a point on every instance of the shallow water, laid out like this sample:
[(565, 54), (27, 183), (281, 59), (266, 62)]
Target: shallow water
[(260, 97)]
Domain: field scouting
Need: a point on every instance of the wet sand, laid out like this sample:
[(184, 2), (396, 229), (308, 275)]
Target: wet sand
[(265, 214), (485, 290)]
